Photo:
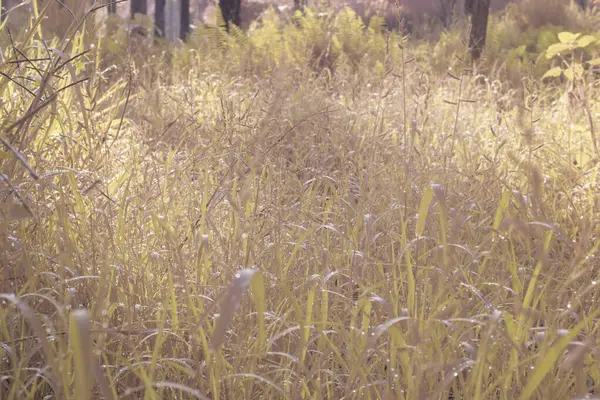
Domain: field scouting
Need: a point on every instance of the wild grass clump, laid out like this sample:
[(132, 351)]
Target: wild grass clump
[(238, 219)]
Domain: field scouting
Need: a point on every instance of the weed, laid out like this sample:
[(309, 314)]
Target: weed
[(308, 210)]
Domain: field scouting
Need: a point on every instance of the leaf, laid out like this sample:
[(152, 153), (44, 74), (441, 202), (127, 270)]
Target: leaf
[(548, 363), (569, 74), (382, 328), (35, 324), (521, 50), (553, 73), (81, 345), (258, 291), (180, 388), (568, 37), (594, 62), (531, 288), (504, 201), (555, 49), (306, 326), (585, 41), (261, 379), (440, 196), (79, 205), (230, 303), (423, 211)]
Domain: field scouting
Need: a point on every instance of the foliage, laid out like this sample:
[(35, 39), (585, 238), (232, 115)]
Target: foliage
[(310, 209), (518, 38), (568, 52), (332, 41)]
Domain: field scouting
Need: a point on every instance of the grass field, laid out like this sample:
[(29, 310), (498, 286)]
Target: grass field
[(301, 212)]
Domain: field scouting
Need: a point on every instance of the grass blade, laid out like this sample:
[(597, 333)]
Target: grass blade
[(423, 211), (258, 292), (81, 345), (548, 363)]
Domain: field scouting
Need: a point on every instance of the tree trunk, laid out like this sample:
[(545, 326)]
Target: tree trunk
[(460, 8), (138, 7), (469, 6), (159, 18), (112, 7), (173, 20), (184, 27), (230, 9), (479, 21), (447, 11), (299, 5)]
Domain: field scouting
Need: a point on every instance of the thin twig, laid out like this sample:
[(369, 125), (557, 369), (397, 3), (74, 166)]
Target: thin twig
[(16, 192), (20, 157), (17, 83)]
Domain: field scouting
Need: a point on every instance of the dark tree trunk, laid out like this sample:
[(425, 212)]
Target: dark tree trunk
[(184, 28), (479, 21), (112, 7), (469, 6), (159, 18), (582, 3), (231, 12), (299, 5), (138, 7)]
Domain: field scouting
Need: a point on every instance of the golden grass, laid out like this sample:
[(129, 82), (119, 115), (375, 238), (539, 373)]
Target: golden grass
[(183, 224)]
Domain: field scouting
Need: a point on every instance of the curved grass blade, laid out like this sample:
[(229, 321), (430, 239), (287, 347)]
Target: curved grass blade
[(546, 364), (423, 211)]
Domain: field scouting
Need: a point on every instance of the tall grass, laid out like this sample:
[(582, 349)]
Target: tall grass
[(233, 219)]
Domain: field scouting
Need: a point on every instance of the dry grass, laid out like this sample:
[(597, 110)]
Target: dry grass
[(182, 229)]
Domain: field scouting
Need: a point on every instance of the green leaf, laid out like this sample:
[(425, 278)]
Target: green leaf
[(553, 73), (585, 41), (568, 37), (555, 49), (81, 346), (502, 206), (531, 288), (594, 62), (423, 211), (305, 331), (569, 74), (258, 290), (548, 363)]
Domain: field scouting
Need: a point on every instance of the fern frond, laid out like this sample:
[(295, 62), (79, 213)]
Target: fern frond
[(237, 34)]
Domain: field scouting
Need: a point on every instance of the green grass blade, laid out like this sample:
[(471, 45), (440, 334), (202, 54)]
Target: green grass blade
[(81, 345), (423, 211), (502, 206), (548, 363), (258, 293)]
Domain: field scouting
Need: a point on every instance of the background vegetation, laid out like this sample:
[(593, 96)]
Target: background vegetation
[(311, 209)]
